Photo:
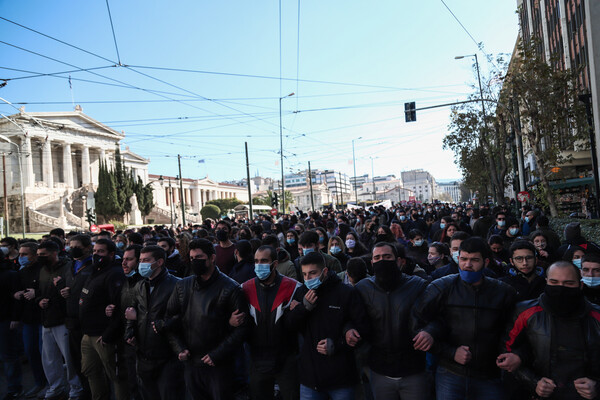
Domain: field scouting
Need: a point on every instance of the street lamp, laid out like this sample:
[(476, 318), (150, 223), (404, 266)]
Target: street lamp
[(354, 164), (281, 155), (19, 156), (373, 179)]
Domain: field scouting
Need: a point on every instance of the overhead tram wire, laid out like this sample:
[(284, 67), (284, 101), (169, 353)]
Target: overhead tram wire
[(112, 27)]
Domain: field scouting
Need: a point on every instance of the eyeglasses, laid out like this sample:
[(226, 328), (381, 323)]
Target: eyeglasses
[(521, 258)]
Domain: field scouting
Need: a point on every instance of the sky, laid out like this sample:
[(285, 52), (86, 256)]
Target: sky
[(199, 78)]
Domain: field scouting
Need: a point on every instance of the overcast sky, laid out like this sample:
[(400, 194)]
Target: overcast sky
[(199, 78)]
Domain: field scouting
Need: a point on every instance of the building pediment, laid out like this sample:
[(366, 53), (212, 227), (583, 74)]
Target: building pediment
[(129, 156)]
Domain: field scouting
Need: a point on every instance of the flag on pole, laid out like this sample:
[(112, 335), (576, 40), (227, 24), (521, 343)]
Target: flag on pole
[(201, 161)]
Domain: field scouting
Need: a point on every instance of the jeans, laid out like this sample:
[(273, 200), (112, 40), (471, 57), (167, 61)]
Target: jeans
[(9, 355), (32, 339), (55, 348), (411, 387), (307, 393), (450, 386)]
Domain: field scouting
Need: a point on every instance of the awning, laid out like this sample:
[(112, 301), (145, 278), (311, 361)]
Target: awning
[(568, 183)]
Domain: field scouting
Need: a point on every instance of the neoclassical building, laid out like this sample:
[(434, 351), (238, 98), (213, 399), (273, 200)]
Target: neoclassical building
[(56, 156)]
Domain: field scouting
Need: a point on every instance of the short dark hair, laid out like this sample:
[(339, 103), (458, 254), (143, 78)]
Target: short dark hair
[(204, 245), (11, 241), (589, 257), (441, 248), (245, 249), (157, 252), (391, 246), (85, 240), (356, 268), (521, 245), (309, 237), (313, 258), (30, 245), (500, 213), (495, 239), (136, 249), (475, 245), (224, 222), (135, 238), (460, 235), (169, 241), (413, 233), (272, 252), (271, 240), (49, 245), (58, 232), (110, 245)]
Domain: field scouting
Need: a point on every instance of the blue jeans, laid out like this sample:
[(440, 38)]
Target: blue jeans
[(32, 339), (9, 356), (307, 393), (449, 386)]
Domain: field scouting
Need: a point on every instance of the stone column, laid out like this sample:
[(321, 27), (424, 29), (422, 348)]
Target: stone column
[(102, 156), (68, 166), (85, 165), (29, 177), (47, 171)]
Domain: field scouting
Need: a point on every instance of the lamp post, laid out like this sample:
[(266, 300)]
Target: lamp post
[(20, 178), (373, 179), (354, 164), (281, 154)]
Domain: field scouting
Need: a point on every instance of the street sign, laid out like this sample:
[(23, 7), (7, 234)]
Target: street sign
[(94, 228), (273, 211), (523, 196)]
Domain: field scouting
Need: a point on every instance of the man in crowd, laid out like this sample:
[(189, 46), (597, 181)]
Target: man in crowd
[(309, 242), (55, 336), (332, 321), (528, 281), (590, 276), (9, 329), (396, 356), (499, 228), (159, 371), (174, 264), (101, 358), (472, 308), (202, 305), (552, 343), (10, 247), (225, 249)]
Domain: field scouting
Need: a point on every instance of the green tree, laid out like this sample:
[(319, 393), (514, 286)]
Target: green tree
[(261, 201), (210, 211), (552, 119), (225, 204), (107, 203), (124, 183), (145, 196)]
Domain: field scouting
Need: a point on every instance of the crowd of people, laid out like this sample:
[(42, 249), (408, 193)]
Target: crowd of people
[(419, 301)]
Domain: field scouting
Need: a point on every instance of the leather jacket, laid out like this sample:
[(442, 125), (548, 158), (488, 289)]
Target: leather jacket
[(198, 315)]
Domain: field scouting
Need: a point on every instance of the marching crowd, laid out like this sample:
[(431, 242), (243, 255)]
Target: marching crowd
[(419, 301)]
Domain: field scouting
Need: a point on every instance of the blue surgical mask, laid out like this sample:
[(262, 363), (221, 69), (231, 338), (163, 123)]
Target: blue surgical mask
[(291, 241), (527, 219), (120, 245), (591, 281), (313, 283), (335, 249), (350, 243), (442, 225), (321, 239), (262, 271), (419, 242), (455, 255), (402, 217), (501, 223), (577, 263), (513, 231), (145, 269), (471, 276), (23, 261), (306, 251), (67, 248), (132, 273)]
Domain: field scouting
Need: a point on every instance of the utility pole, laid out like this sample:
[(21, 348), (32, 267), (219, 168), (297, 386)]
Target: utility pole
[(171, 203), (5, 194), (182, 199), (373, 179), (341, 190), (312, 198), (251, 215)]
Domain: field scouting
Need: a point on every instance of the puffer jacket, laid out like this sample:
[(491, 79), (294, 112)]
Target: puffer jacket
[(56, 312), (472, 316), (531, 334), (392, 352), (151, 307), (198, 315)]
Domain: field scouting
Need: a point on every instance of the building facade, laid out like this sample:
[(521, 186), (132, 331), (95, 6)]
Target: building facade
[(422, 183)]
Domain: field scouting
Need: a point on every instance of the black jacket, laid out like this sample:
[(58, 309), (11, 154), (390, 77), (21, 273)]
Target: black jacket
[(392, 352), (9, 282), (532, 335), (198, 315), (103, 287), (151, 307), (75, 282), (176, 266), (56, 312), (242, 271), (29, 278), (526, 290), (338, 309), (592, 294), (471, 316)]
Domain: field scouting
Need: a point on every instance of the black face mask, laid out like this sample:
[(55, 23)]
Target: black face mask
[(44, 260), (381, 238), (99, 261), (221, 235), (76, 252), (244, 237), (387, 274), (563, 301), (199, 267)]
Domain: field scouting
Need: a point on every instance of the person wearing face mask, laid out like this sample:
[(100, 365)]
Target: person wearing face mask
[(437, 256), (499, 228), (291, 244), (100, 353), (174, 262), (354, 247), (473, 308), (243, 270), (309, 242), (10, 248), (528, 280), (452, 266), (512, 232), (225, 248), (273, 350), (197, 317), (551, 342), (160, 373), (417, 248), (55, 335), (590, 276), (331, 318), (397, 354), (337, 249), (29, 313)]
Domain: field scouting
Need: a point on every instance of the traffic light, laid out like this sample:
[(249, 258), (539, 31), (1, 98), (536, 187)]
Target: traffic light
[(90, 216), (275, 200), (410, 111)]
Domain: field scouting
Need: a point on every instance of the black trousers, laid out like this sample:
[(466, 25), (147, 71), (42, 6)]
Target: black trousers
[(209, 383), (261, 384), (161, 380)]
